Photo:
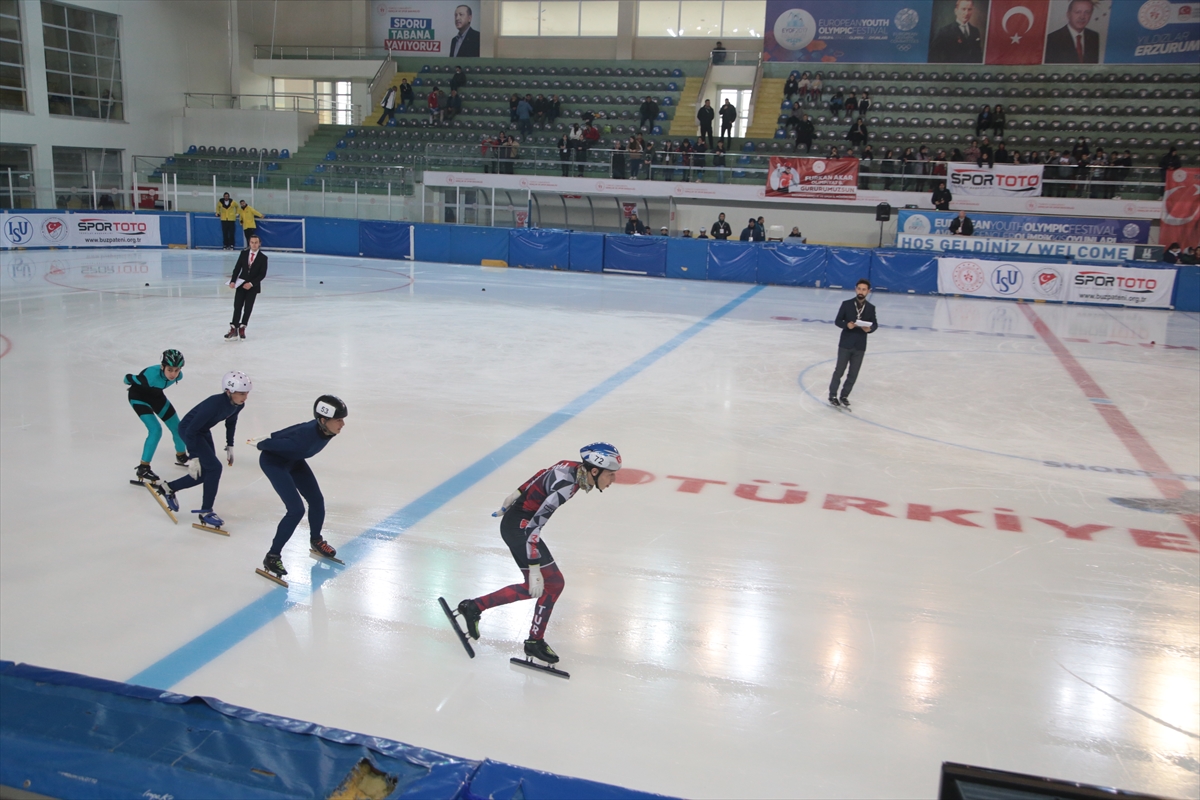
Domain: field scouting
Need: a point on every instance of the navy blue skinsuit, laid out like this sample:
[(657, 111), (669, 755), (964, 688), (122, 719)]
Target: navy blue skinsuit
[(283, 462), (196, 430)]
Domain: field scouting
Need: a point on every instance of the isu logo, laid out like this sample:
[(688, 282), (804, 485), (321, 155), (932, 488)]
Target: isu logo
[(1007, 279), (968, 277)]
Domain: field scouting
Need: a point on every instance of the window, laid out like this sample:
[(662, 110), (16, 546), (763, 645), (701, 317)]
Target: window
[(83, 62), (558, 18), (710, 19), (331, 100), (16, 176), (12, 58), (88, 177)]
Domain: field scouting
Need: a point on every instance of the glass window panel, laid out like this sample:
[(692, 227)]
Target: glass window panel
[(106, 25), (58, 83), (9, 8), (700, 18), (107, 69), (518, 18), (10, 29), (55, 37), (79, 42), (745, 18), (114, 90), (78, 19), (12, 99), (293, 86), (118, 112), (12, 77), (82, 64), (84, 107), (54, 14), (10, 52), (16, 157), (560, 18), (82, 86), (57, 60), (107, 47), (598, 17), (658, 17)]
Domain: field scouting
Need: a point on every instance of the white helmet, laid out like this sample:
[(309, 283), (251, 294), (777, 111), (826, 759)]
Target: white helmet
[(601, 454), (236, 382)]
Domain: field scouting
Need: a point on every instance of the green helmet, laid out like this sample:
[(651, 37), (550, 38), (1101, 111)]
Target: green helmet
[(172, 358)]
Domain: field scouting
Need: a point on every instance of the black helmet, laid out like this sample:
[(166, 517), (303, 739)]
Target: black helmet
[(172, 358), (329, 406)]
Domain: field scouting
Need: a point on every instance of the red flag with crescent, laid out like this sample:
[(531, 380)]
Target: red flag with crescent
[(1181, 209), (1017, 31)]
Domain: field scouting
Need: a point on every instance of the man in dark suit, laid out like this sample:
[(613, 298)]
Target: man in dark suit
[(962, 225), (246, 282), (466, 43), (1074, 43), (856, 318), (960, 42)]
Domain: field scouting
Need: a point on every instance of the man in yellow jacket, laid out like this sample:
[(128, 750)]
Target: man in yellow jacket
[(227, 212), (247, 212)]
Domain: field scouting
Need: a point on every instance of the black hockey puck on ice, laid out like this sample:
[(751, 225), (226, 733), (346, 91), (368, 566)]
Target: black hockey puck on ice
[(322, 283), (482, 290), (147, 284)]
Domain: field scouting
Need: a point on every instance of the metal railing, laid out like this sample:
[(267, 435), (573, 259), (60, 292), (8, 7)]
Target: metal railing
[(735, 58), (314, 53), (380, 83), (273, 102)]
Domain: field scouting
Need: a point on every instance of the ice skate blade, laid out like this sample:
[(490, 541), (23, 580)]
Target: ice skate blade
[(322, 557), (531, 664), (158, 499), (200, 527), (271, 577), (462, 637)]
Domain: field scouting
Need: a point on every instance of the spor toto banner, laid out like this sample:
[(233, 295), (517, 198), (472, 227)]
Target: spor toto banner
[(825, 178), (79, 230), (1021, 226), (1092, 251), (1002, 180), (1150, 288)]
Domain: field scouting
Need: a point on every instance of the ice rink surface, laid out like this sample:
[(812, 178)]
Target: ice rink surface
[(779, 600)]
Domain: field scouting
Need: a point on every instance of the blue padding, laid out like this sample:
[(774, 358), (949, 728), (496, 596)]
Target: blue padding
[(792, 265), (687, 258), (432, 242), (281, 232), (587, 251), (498, 781), (733, 261), (470, 244), (1187, 288), (904, 271), (844, 266), (173, 229), (539, 249), (642, 254), (383, 239), (331, 236), (206, 232)]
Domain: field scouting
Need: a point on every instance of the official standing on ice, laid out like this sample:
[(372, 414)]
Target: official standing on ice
[(856, 318), (196, 431), (283, 462), (246, 282)]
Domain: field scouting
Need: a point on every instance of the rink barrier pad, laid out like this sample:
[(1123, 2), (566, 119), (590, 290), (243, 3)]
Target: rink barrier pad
[(71, 735)]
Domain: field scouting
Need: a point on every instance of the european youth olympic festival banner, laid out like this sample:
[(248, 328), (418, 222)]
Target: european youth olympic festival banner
[(79, 230), (438, 28), (1147, 288), (806, 178), (982, 31), (1020, 226)]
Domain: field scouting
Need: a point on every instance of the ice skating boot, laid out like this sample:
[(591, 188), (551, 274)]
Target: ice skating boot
[(181, 460), (537, 648), (241, 331), (470, 613), (272, 569), (167, 494), (833, 401), (209, 521), (145, 474), (322, 549), (233, 332), (846, 402)]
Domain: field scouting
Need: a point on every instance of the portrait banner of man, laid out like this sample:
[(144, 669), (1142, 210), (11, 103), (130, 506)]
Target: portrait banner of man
[(958, 30), (428, 28), (1077, 30)]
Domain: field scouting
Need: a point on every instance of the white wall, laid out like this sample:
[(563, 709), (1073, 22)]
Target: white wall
[(250, 128)]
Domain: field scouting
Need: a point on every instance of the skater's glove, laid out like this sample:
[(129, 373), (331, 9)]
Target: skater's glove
[(508, 503), (536, 583), (229, 455), (257, 441), (194, 468)]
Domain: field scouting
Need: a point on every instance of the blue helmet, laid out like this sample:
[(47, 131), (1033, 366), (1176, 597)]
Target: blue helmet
[(602, 455)]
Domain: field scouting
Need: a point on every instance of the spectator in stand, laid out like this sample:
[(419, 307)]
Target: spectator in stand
[(647, 113), (749, 232), (687, 233), (564, 155), (866, 166), (524, 116), (539, 109), (887, 167), (1100, 174), (1122, 169), (720, 229), (486, 151), (431, 102), (837, 103), (986, 154), (802, 88), (857, 135), (792, 87), (618, 161), (999, 121), (1002, 156), (909, 167), (1168, 162), (666, 157), (816, 89), (805, 131), (833, 151), (513, 102), (591, 137), (554, 108), (453, 104), (941, 197), (718, 54), (972, 153), (407, 98), (1173, 253), (634, 226), (729, 116), (514, 149), (983, 121), (635, 158), (962, 225), (956, 155), (388, 105), (1083, 170), (649, 157), (458, 80), (793, 120), (719, 162), (864, 104), (699, 160), (1188, 257), (851, 105), (796, 234), (664, 231), (705, 117)]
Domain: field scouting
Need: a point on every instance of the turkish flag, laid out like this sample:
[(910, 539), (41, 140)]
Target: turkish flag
[(1181, 209), (1017, 31)]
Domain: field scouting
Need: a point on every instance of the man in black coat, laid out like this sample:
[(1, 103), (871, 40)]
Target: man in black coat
[(729, 116), (634, 225), (720, 229), (705, 117), (466, 43), (1074, 43), (647, 112), (962, 225), (853, 318), (941, 197), (960, 42), (246, 282), (805, 132)]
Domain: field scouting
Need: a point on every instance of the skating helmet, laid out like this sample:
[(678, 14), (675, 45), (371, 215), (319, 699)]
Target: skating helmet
[(172, 358), (602, 455), (329, 406), (236, 382)]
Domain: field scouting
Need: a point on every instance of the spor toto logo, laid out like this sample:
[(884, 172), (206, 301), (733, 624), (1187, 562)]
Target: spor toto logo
[(1007, 279), (55, 229), (967, 276), (1047, 282), (795, 29)]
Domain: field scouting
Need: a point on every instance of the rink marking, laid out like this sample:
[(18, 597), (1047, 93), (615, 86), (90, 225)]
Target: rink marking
[(220, 638)]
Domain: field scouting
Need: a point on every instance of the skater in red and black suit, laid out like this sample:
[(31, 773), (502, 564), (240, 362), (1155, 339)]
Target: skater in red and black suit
[(525, 512), (246, 282)]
